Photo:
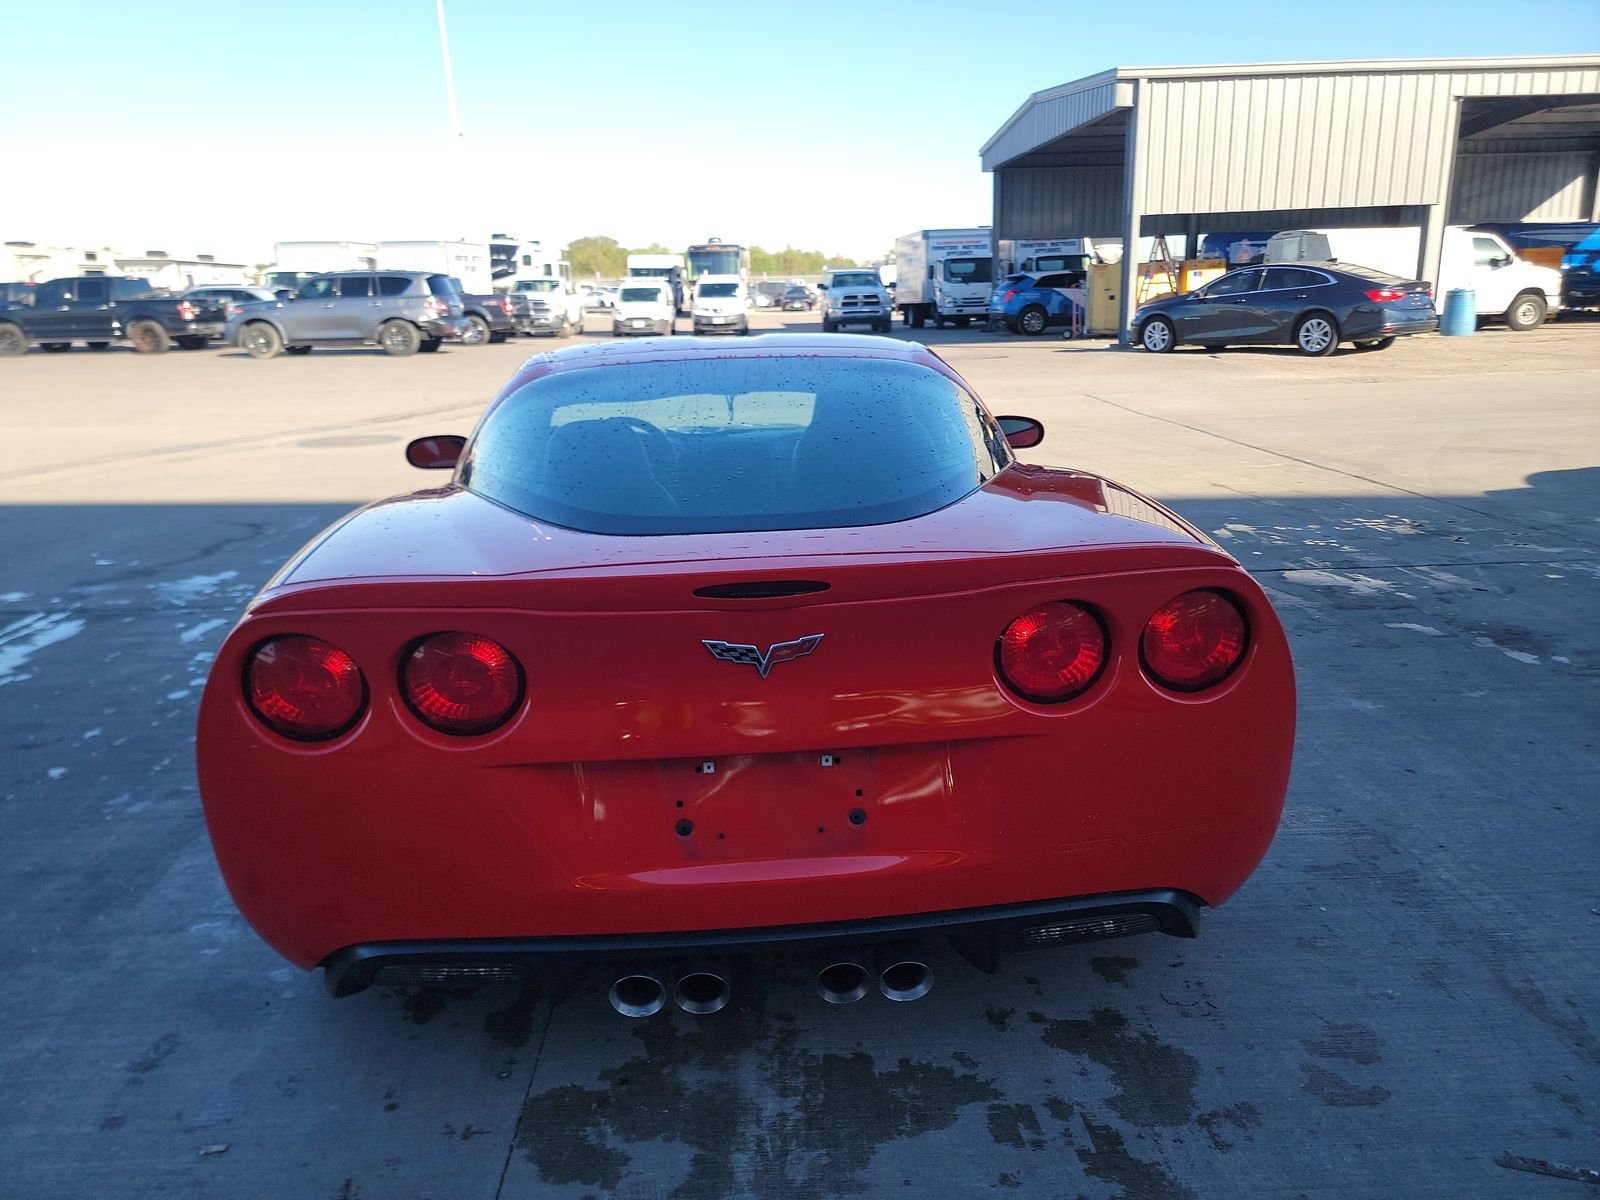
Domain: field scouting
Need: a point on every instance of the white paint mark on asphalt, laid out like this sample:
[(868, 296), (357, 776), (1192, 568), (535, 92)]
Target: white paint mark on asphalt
[(187, 591), (1357, 585), (195, 632), (57, 772), (1427, 629), (21, 640), (1488, 643)]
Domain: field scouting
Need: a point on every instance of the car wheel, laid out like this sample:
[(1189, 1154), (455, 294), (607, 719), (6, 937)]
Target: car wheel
[(475, 334), (938, 321), (1375, 344), (298, 351), (399, 338), (148, 337), (1158, 336), (1032, 320), (261, 340), (1317, 334), (429, 345), (12, 340), (828, 326), (914, 317), (577, 330), (1527, 311), (57, 347)]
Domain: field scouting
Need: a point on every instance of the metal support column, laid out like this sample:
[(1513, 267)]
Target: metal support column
[(1437, 215), (1132, 219)]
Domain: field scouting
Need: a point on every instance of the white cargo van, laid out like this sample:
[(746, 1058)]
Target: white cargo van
[(1503, 285), (644, 305), (721, 303)]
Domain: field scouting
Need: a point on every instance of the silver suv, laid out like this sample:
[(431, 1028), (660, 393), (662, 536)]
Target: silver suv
[(854, 296), (401, 311)]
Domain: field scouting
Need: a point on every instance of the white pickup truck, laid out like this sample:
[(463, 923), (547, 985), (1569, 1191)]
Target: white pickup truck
[(1520, 293), (554, 307)]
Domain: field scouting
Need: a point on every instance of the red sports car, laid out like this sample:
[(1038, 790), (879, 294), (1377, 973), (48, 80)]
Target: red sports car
[(710, 648)]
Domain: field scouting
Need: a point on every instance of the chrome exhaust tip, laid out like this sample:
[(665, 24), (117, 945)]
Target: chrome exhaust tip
[(902, 976), (702, 991), (638, 994), (844, 981)]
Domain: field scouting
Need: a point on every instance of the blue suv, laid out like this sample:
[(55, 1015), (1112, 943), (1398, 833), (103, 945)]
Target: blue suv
[(1032, 303)]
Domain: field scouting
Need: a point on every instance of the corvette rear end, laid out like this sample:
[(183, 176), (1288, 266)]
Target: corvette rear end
[(1050, 712)]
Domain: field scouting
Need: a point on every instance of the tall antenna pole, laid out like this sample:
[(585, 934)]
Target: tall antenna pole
[(449, 76)]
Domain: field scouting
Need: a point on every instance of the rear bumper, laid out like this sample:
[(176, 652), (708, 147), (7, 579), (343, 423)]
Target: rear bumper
[(981, 934), (448, 328)]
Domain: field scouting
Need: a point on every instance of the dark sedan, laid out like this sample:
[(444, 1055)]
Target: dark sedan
[(1311, 306), (797, 296)]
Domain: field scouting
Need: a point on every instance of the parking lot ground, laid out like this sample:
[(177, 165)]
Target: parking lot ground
[(1402, 996)]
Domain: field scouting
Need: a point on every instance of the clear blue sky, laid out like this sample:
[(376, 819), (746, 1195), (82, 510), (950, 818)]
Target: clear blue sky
[(829, 124)]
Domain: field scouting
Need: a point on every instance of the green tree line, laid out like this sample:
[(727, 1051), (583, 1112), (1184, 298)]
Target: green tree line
[(599, 257)]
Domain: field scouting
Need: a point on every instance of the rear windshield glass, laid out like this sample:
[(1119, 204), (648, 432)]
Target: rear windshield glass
[(641, 293), (1371, 273), (718, 291), (442, 286), (734, 444)]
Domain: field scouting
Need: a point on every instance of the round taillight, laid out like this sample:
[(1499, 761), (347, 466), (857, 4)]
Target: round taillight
[(1053, 652), (1194, 641), (304, 688), (461, 683)]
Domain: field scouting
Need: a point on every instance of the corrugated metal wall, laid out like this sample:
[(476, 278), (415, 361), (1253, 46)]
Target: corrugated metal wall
[(1042, 202), (1523, 186), (1051, 116), (1275, 141)]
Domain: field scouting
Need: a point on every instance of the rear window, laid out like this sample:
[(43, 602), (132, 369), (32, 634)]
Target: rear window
[(734, 444), (1371, 273), (442, 286)]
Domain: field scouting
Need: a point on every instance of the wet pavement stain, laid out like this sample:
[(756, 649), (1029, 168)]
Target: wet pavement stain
[(965, 1060), (1155, 1081), (513, 1025), (1114, 968), (1015, 1125), (1242, 1116), (1000, 1018), (834, 1111), (1354, 1042), (160, 1050), (1107, 1158), (1338, 1092)]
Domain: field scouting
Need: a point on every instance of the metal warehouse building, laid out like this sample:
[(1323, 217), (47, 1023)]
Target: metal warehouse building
[(1141, 151)]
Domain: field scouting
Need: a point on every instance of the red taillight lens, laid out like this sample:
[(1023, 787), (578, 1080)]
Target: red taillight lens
[(187, 310), (1006, 299), (304, 688), (1385, 295), (1053, 652), (434, 304), (461, 683), (1194, 641)]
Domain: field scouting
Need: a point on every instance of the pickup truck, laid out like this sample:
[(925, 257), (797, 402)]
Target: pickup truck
[(101, 309), (491, 318)]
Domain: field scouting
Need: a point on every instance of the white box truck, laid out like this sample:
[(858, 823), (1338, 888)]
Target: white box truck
[(470, 262), (1056, 254), (943, 276), (297, 262), (1519, 293)]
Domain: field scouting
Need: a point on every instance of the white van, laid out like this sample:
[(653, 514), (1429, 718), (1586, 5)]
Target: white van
[(721, 302), (643, 306), (1503, 285)]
